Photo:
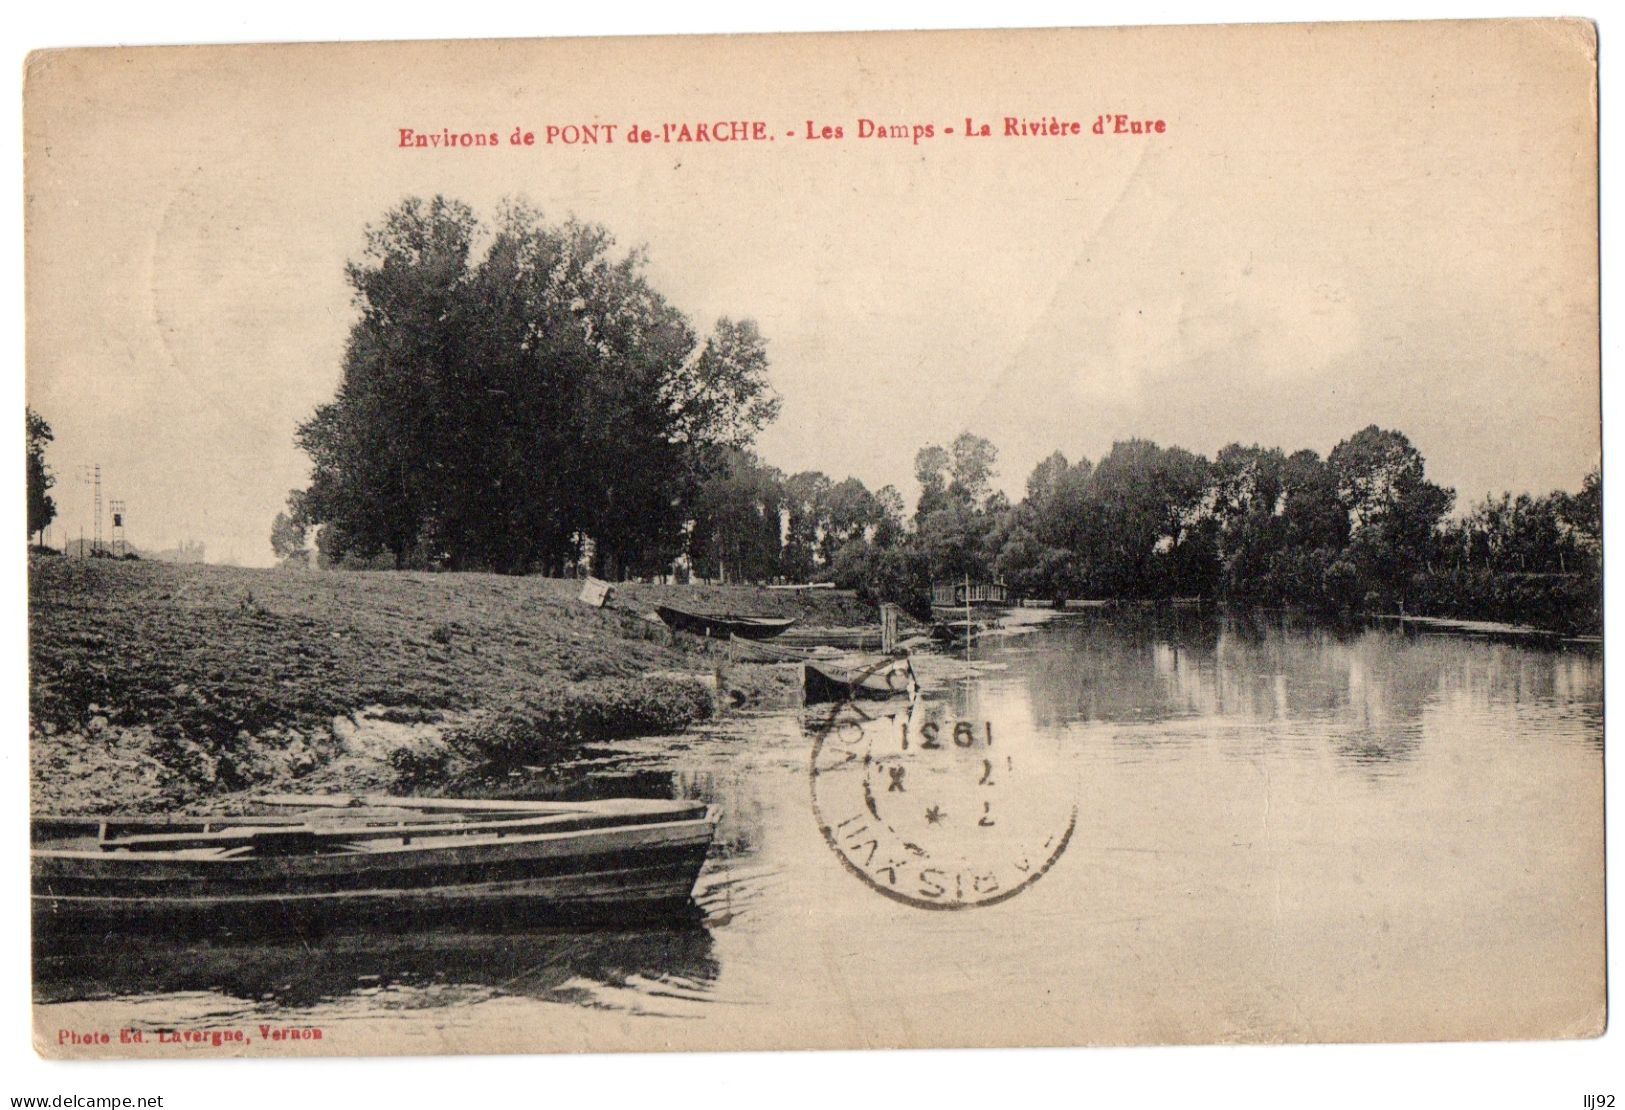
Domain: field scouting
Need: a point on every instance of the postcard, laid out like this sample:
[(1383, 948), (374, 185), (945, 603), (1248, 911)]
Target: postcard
[(931, 539)]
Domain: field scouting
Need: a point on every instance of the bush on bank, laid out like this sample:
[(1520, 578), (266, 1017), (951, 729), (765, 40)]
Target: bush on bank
[(555, 723)]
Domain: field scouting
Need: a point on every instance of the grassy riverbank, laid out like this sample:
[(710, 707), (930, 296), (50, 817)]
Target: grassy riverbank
[(158, 684)]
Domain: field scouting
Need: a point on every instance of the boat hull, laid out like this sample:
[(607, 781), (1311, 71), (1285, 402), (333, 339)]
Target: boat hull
[(620, 875), (721, 627), (882, 677)]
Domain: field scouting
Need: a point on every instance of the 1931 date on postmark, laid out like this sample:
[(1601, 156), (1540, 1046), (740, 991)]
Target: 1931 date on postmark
[(935, 811)]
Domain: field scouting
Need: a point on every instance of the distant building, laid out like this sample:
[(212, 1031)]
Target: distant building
[(980, 593)]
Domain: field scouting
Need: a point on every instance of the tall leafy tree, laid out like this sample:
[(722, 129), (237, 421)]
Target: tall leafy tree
[(516, 395), (931, 465), (1314, 516), (1248, 491), (889, 506), (806, 502), (736, 521), (851, 512), (1145, 501), (1393, 509), (288, 536), (1045, 480), (379, 449), (41, 505), (957, 542), (971, 468), (958, 516), (1582, 512)]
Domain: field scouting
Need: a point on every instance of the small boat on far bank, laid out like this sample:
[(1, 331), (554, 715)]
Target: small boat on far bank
[(959, 631), (857, 677), (371, 860), (723, 625), (757, 651)]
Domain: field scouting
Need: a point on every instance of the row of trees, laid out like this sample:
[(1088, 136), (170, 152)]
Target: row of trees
[(1362, 528), (516, 396), (751, 522)]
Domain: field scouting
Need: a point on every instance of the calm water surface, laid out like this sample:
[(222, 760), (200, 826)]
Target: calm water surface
[(1281, 832)]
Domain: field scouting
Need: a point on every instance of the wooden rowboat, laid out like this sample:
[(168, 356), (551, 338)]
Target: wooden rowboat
[(958, 631), (855, 677), (755, 651), (723, 625), (854, 640), (338, 858)]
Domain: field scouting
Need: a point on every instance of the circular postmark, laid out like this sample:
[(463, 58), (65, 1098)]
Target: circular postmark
[(934, 810)]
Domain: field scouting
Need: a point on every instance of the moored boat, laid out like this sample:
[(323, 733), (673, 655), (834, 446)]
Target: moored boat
[(373, 859), (855, 677), (865, 638), (756, 651), (723, 625), (950, 631)]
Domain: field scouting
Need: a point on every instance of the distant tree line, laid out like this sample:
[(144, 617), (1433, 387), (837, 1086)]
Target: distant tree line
[(753, 523), (517, 397), (1362, 530)]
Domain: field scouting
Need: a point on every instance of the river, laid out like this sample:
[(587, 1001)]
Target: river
[(1255, 829)]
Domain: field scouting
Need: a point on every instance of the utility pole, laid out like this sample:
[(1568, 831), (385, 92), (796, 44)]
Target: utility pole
[(967, 615), (92, 475)]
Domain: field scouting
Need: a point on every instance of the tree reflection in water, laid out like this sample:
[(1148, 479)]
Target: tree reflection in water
[(1364, 689)]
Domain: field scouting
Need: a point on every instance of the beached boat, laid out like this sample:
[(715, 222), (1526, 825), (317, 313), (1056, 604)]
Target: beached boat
[(723, 625), (952, 631), (756, 651), (855, 677), (372, 859), (863, 638)]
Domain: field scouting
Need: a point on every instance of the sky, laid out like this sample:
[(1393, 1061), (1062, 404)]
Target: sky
[(1337, 227)]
